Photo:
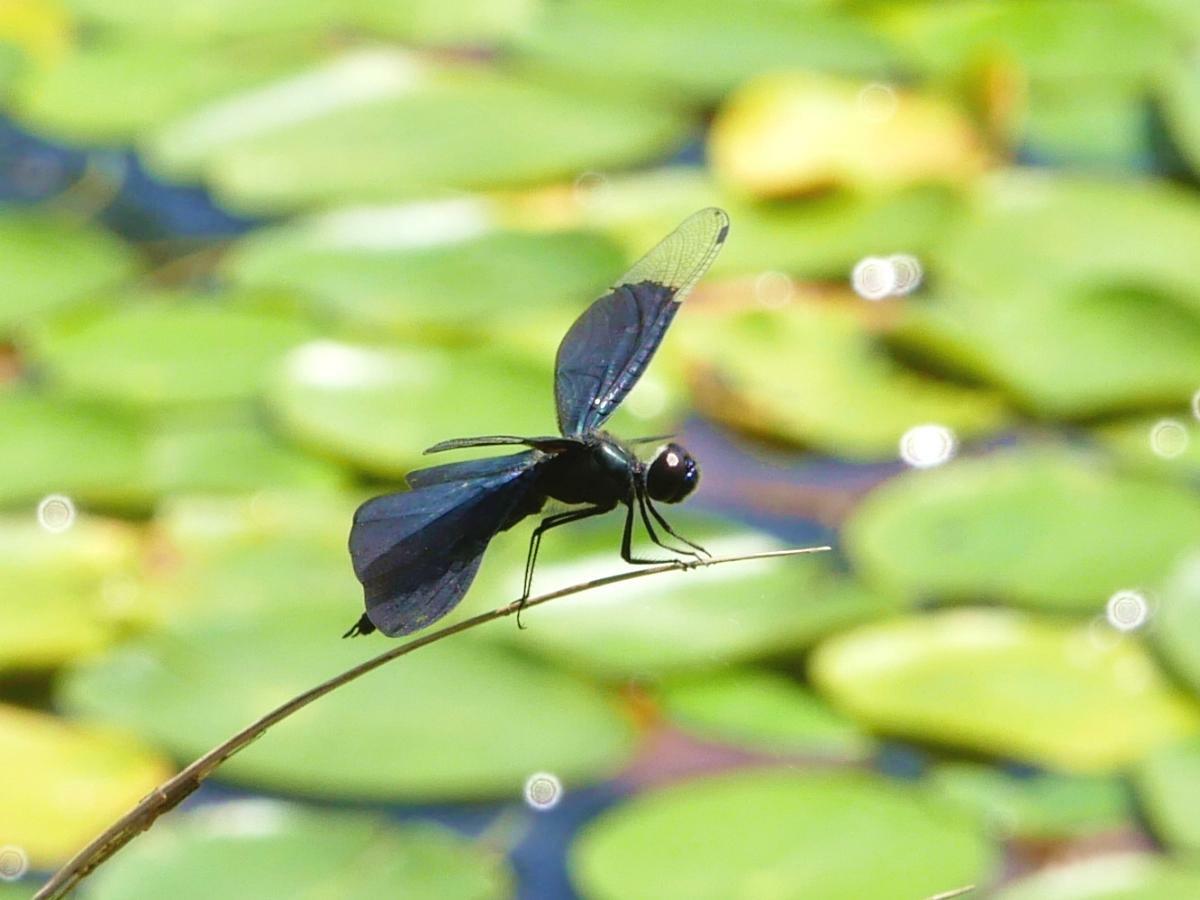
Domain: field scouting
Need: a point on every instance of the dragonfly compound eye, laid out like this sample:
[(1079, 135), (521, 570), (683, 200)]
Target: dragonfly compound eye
[(672, 475)]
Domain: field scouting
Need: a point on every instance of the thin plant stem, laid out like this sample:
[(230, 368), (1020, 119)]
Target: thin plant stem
[(172, 792)]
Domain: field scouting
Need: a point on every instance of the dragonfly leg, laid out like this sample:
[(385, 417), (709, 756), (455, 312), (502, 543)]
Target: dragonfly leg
[(535, 542), (661, 520), (627, 538)]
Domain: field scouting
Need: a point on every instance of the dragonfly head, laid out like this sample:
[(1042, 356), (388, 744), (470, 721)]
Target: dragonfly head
[(672, 475)]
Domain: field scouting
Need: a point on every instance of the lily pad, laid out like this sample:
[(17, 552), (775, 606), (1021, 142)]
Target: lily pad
[(1124, 876), (766, 833), (48, 767), (1168, 784), (1156, 445), (383, 127), (1041, 528), (676, 623), (1044, 807), (48, 263), (657, 47), (1177, 620), (52, 446), (462, 720), (1179, 96), (396, 269), (762, 711), (64, 595), (793, 133), (112, 91), (1003, 683), (812, 373), (168, 350), (255, 848), (379, 408)]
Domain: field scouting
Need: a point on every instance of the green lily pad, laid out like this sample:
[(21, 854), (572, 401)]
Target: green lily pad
[(383, 127), (47, 766), (766, 833), (48, 263), (57, 447), (168, 350), (1045, 807), (1098, 128), (679, 622), (1123, 876), (1041, 528), (1168, 784), (657, 47), (433, 22), (762, 711), (462, 720), (1155, 445), (1177, 620), (255, 848), (382, 269), (63, 595), (1004, 683), (114, 91), (812, 373), (1179, 96), (379, 408), (792, 133)]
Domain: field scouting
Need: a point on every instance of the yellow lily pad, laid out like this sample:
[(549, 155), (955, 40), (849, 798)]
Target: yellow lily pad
[(1000, 682)]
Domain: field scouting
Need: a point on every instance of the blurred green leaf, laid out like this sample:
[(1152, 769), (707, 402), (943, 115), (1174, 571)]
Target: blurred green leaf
[(1179, 96), (1176, 632), (792, 133), (1044, 807), (113, 91), (1080, 125), (1043, 528), (765, 833), (699, 48), (1004, 683), (1155, 445), (382, 126), (379, 408), (763, 711), (52, 446), (1119, 876), (395, 269), (463, 720), (693, 621), (249, 849), (812, 373), (165, 350), (61, 783), (1168, 785), (62, 595), (33, 277)]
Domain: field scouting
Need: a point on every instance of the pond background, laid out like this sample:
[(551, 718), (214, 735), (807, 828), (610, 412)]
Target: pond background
[(253, 260)]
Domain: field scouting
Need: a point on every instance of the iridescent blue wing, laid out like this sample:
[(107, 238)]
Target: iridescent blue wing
[(605, 352), (416, 553)]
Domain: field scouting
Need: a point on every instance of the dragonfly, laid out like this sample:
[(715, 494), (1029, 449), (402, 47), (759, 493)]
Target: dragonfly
[(416, 552)]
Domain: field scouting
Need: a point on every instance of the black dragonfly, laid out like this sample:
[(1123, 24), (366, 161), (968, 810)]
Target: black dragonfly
[(417, 552)]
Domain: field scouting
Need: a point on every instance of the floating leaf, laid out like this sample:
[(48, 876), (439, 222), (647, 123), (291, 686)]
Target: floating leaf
[(1038, 528), (696, 620), (60, 784), (660, 46), (462, 720), (1176, 633), (1003, 683), (33, 277), (1155, 445), (1097, 128), (443, 265), (378, 408), (812, 373), (1043, 807), (56, 447), (765, 833), (255, 848), (1179, 96), (62, 596), (793, 133), (763, 711), (1124, 876), (1168, 784), (168, 350), (381, 126)]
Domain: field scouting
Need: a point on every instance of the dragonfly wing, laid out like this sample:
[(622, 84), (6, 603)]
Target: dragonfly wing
[(605, 352), (416, 553)]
